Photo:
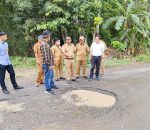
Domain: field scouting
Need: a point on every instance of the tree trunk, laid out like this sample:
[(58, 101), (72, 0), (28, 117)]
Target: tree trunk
[(63, 34), (97, 29)]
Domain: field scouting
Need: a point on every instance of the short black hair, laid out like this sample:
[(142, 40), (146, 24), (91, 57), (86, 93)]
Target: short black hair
[(56, 39), (46, 33), (2, 33), (99, 36), (68, 36)]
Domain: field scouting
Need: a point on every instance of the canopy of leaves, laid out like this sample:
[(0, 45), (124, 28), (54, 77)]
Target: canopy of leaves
[(126, 21)]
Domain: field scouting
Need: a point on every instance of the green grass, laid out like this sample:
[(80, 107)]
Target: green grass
[(143, 58), (118, 62), (25, 62)]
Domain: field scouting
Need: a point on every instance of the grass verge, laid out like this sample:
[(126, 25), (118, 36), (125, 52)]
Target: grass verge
[(25, 62)]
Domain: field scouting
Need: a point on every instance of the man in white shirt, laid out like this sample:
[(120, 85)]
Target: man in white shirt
[(96, 54)]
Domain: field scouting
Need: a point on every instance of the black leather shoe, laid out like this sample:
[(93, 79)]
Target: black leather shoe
[(73, 79), (85, 77), (5, 91), (18, 87), (62, 78), (77, 77)]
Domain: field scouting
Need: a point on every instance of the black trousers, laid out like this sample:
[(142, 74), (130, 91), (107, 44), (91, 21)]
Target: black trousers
[(95, 61), (11, 72)]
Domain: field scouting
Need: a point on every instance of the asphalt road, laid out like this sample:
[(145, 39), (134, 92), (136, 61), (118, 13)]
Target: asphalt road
[(32, 109)]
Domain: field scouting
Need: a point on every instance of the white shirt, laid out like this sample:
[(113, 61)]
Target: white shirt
[(97, 49)]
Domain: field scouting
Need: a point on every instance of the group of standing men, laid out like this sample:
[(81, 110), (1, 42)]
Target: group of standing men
[(50, 59)]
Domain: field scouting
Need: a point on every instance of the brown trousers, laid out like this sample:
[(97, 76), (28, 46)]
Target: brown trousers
[(40, 74), (58, 69), (102, 66), (80, 63), (69, 69)]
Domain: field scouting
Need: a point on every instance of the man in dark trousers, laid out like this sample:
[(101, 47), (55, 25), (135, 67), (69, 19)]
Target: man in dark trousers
[(5, 64), (96, 54)]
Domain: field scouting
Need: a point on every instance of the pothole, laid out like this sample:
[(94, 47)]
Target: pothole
[(89, 98)]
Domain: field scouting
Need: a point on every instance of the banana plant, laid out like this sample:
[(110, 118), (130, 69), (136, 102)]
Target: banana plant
[(132, 23)]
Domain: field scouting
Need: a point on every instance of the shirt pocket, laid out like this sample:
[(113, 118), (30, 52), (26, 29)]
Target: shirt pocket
[(67, 50), (79, 48)]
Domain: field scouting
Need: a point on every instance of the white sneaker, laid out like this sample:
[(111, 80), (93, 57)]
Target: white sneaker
[(49, 92)]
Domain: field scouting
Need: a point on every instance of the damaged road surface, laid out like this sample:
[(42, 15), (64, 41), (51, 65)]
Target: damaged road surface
[(120, 101)]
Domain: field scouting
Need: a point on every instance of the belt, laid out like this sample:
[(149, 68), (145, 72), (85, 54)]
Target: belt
[(69, 58), (96, 56)]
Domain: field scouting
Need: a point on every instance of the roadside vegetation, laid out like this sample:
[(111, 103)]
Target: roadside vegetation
[(123, 24), (25, 62)]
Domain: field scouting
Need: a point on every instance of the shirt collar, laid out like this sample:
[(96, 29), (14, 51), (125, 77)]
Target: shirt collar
[(44, 41), (97, 43), (2, 42), (69, 44), (82, 43)]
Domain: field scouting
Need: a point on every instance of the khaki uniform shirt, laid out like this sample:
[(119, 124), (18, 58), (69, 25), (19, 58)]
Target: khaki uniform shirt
[(69, 50), (82, 51), (57, 53), (105, 49), (37, 50)]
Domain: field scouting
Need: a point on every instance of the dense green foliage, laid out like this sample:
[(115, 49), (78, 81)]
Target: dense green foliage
[(118, 21)]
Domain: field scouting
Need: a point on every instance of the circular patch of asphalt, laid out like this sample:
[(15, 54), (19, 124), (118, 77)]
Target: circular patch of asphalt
[(91, 98)]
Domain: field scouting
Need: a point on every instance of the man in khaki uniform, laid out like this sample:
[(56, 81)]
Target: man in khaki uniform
[(58, 59), (37, 52), (82, 50), (69, 50), (102, 66)]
